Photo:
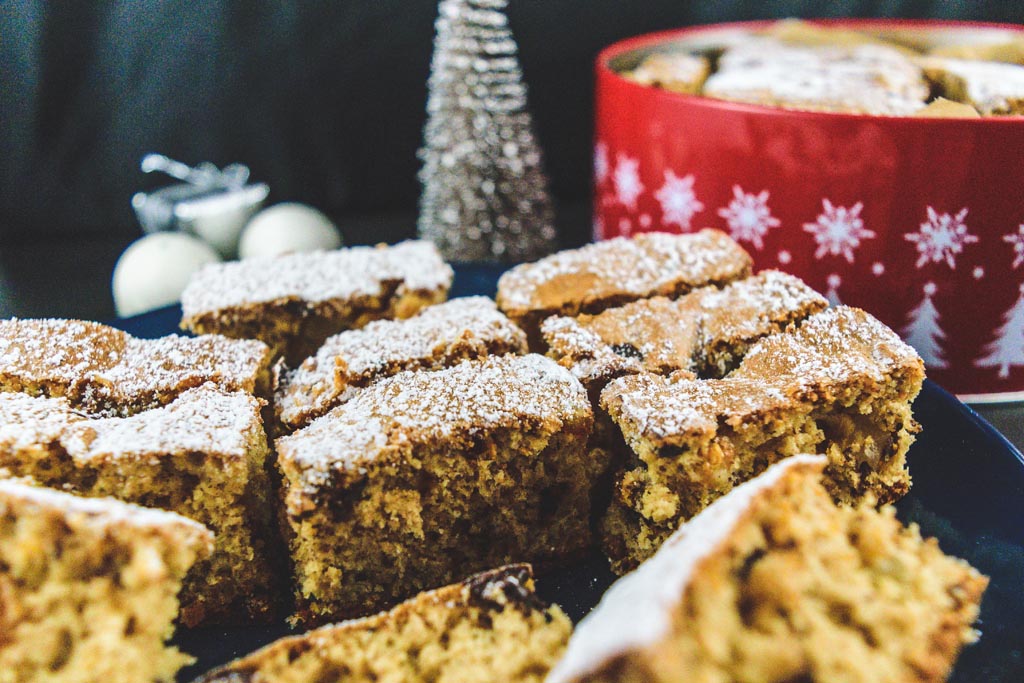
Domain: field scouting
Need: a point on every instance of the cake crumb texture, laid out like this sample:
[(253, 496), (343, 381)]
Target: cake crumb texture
[(88, 587), (774, 583), (491, 627)]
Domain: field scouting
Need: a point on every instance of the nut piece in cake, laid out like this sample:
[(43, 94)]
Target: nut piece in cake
[(424, 476), (88, 587), (676, 71), (774, 583), (706, 332), (436, 337), (865, 78), (296, 301), (840, 384), (105, 371), (990, 87), (616, 271), (490, 627), (202, 456)]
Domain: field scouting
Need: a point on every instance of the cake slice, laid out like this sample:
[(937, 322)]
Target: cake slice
[(990, 87), (676, 71), (296, 301), (706, 332), (617, 271), (105, 371), (202, 456), (776, 583), (436, 337), (88, 587), (841, 384), (424, 476), (490, 627)]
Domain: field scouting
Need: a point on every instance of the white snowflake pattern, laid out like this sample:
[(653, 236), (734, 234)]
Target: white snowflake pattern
[(785, 257), (678, 202), (749, 217), (627, 180), (978, 273), (1017, 240), (941, 238), (601, 165), (838, 230), (833, 281), (878, 268)]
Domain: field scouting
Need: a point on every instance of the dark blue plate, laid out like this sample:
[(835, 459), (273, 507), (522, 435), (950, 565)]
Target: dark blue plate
[(968, 493)]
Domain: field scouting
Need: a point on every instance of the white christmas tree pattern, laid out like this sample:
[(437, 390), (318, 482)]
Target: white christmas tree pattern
[(941, 238), (923, 331), (1017, 240), (1008, 347), (485, 194), (678, 202), (833, 281), (601, 165), (749, 217), (627, 180), (838, 230)]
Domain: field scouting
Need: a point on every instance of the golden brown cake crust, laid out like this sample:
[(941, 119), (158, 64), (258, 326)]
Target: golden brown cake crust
[(105, 371), (423, 476), (616, 271), (203, 456), (436, 337), (676, 71), (295, 301), (491, 626), (992, 88)]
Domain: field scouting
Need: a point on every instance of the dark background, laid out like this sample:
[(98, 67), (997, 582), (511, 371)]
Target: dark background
[(323, 100)]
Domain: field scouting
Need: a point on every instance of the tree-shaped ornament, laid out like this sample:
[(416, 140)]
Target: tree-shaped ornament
[(1008, 347), (485, 194), (923, 331)]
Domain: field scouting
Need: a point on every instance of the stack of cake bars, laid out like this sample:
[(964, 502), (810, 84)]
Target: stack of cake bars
[(348, 442)]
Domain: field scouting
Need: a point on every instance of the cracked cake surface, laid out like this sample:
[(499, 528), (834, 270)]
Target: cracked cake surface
[(103, 370), (436, 337), (841, 384)]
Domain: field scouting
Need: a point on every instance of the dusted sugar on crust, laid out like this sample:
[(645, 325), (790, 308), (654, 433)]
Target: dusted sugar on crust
[(202, 456), (840, 384), (424, 476), (866, 79), (775, 583), (105, 371), (296, 301), (705, 332), (616, 271), (1009, 50), (436, 337), (88, 587), (990, 87), (676, 71), (490, 627)]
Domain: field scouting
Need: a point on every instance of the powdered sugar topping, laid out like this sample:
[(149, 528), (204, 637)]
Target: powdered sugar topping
[(414, 266)]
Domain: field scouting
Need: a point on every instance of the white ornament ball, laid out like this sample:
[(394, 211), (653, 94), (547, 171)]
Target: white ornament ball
[(153, 271), (286, 228)]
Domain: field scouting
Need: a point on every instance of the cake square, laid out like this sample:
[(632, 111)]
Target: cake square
[(841, 384), (774, 582), (617, 271), (423, 476), (88, 587), (992, 88), (105, 371), (679, 72), (705, 332), (202, 456), (490, 627), (296, 301), (436, 337)]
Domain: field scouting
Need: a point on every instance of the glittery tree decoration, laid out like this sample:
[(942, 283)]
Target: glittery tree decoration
[(485, 193)]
